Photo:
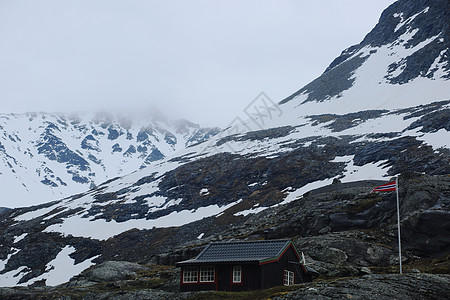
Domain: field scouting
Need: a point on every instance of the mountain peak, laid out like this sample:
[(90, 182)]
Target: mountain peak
[(408, 47), (429, 18)]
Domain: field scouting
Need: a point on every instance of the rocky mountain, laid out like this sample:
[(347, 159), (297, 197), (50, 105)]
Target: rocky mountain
[(343, 230), (302, 169), (48, 156)]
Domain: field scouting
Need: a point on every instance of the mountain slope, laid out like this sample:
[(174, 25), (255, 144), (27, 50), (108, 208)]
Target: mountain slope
[(48, 156), (362, 119), (402, 62)]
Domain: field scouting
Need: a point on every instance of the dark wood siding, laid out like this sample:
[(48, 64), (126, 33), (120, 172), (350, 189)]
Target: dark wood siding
[(272, 273), (251, 279), (223, 277), (291, 262)]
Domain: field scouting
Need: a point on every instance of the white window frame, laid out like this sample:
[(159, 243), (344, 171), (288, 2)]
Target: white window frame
[(190, 274), (288, 278), (207, 274), (237, 274)]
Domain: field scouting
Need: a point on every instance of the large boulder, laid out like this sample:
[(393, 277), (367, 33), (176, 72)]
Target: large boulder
[(108, 271)]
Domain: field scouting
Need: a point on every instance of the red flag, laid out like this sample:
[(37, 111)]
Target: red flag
[(388, 187)]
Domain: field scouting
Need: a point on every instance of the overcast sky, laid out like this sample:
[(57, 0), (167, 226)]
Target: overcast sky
[(204, 60)]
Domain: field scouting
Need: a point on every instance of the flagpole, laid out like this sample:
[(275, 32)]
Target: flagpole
[(398, 227)]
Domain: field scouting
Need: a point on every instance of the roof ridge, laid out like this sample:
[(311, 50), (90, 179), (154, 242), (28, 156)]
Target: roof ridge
[(203, 251)]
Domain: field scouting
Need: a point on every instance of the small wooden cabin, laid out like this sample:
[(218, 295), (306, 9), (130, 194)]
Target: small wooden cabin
[(243, 265)]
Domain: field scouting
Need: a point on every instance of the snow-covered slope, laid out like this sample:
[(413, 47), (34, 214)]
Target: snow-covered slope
[(403, 62), (382, 108), (165, 195), (48, 156)]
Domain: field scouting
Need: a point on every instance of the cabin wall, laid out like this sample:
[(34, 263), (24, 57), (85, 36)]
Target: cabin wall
[(251, 278), (223, 277), (272, 273), (197, 286)]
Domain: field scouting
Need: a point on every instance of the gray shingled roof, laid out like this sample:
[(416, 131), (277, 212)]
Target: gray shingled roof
[(242, 251)]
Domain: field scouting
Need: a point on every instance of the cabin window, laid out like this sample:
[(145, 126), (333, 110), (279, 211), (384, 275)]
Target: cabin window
[(207, 274), (190, 274), (237, 274), (288, 277)]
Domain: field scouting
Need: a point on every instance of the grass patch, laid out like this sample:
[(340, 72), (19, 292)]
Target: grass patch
[(433, 265), (254, 295)]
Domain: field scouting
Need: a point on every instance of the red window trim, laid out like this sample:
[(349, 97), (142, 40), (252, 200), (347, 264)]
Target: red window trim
[(231, 279), (199, 272), (198, 276), (191, 282)]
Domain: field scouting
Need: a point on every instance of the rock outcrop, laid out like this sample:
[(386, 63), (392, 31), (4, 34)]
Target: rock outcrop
[(389, 286)]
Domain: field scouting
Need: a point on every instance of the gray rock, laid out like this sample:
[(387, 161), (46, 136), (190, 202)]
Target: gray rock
[(112, 271), (377, 286), (339, 248), (328, 254)]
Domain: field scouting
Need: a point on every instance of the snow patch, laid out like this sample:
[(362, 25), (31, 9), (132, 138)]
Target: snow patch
[(439, 139), (34, 214), (367, 171), (298, 193), (172, 203), (253, 210), (63, 267), (101, 229), (438, 66), (20, 237), (12, 278), (407, 21), (204, 192)]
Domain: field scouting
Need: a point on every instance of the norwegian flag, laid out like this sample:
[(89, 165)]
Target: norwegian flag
[(388, 187)]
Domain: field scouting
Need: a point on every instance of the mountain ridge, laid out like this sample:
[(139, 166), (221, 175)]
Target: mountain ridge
[(397, 31), (63, 154)]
